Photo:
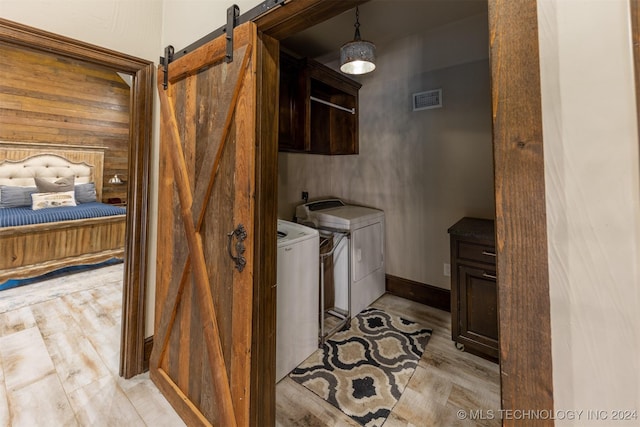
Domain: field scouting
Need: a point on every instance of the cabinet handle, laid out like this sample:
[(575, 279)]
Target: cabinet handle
[(487, 253), (489, 276)]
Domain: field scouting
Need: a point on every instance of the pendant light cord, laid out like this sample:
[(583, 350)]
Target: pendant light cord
[(357, 25)]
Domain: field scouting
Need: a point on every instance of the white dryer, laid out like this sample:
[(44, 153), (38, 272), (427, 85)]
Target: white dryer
[(298, 301), (366, 226)]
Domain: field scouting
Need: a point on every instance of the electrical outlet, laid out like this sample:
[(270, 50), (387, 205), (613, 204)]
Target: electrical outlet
[(447, 269), (305, 196)]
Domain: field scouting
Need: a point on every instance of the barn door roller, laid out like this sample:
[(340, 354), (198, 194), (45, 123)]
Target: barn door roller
[(233, 20)]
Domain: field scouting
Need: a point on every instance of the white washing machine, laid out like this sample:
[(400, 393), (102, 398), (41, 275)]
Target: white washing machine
[(298, 301), (366, 226)]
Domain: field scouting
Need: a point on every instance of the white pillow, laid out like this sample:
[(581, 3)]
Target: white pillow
[(53, 200), (62, 184)]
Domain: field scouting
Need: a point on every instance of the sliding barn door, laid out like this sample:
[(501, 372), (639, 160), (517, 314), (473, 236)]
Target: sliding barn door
[(201, 355)]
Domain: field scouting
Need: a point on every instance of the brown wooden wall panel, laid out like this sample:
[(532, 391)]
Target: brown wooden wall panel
[(45, 98)]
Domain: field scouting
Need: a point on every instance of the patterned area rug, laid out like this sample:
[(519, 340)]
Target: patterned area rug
[(364, 369)]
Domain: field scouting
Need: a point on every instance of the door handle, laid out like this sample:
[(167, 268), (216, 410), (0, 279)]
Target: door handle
[(487, 253), (489, 276), (240, 233)]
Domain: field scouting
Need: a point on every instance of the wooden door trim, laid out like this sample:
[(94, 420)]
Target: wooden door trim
[(521, 230), (263, 346), (299, 15), (521, 222), (135, 274)]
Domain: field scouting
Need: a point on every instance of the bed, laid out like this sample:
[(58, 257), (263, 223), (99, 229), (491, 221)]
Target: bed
[(88, 233)]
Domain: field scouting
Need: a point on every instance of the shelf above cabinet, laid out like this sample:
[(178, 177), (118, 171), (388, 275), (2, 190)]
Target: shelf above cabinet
[(318, 108)]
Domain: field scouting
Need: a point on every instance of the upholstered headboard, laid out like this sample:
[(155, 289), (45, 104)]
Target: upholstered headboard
[(21, 162)]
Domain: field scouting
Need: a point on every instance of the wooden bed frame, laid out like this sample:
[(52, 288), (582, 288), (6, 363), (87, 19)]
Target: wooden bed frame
[(32, 250)]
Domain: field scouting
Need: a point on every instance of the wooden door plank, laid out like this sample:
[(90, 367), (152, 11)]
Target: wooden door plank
[(166, 240), (172, 294), (211, 162), (168, 315), (188, 127), (222, 393)]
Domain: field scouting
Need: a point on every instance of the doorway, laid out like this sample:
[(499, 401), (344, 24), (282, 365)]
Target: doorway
[(14, 34), (425, 169), (522, 264)]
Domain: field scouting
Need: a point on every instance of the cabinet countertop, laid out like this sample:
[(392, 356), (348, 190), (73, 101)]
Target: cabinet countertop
[(476, 228)]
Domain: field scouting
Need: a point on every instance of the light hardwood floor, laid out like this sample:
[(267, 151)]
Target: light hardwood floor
[(446, 381), (59, 356), (59, 352)]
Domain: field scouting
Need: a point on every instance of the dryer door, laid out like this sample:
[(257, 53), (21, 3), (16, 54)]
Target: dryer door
[(367, 250)]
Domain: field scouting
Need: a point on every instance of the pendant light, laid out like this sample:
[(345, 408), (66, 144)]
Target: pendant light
[(357, 56)]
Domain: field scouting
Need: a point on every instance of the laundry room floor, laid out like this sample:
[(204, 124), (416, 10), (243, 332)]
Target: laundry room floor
[(447, 387)]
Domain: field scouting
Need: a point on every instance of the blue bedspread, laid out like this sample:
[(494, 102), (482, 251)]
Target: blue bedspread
[(10, 217)]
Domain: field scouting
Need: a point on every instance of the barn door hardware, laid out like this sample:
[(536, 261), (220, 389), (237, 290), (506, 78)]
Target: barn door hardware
[(239, 233), (168, 57), (233, 20), (232, 17)]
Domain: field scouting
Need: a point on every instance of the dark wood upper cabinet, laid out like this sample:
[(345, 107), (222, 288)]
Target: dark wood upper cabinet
[(318, 111)]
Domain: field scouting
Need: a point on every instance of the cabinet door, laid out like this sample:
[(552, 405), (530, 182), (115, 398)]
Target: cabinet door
[(478, 309), (332, 129)]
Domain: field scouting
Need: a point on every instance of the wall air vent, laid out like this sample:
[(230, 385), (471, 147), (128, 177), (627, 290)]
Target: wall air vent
[(427, 100)]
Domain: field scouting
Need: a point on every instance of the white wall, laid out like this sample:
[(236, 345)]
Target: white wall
[(425, 169), (593, 205), (130, 26), (186, 21)]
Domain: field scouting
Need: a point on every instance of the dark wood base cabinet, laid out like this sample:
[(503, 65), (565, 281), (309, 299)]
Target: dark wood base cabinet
[(474, 296)]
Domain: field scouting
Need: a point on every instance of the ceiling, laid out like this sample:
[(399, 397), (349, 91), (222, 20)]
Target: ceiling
[(381, 21)]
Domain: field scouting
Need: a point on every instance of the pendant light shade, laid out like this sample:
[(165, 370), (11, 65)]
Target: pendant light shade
[(357, 56)]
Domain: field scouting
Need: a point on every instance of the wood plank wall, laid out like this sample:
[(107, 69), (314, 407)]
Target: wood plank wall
[(44, 98)]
